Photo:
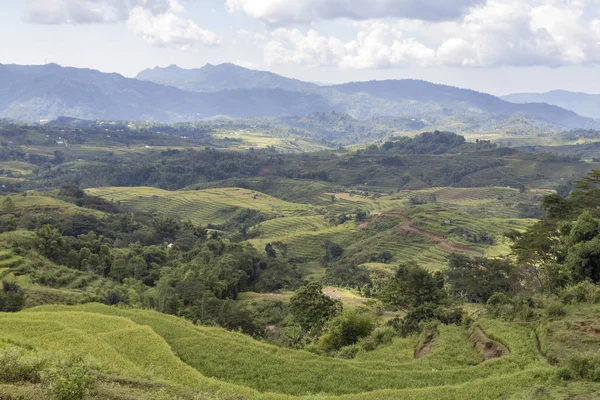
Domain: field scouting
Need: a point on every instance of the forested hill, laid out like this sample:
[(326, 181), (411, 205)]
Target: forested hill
[(456, 100), (214, 78), (581, 103), (47, 92), (431, 159)]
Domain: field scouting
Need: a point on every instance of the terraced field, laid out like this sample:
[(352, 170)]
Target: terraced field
[(34, 203), (137, 344), (308, 245), (442, 226), (405, 248), (200, 206), (281, 227)]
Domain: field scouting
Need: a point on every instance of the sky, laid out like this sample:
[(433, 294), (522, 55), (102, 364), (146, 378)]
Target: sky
[(495, 46)]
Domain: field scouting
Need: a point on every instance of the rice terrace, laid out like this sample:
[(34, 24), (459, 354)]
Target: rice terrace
[(316, 221)]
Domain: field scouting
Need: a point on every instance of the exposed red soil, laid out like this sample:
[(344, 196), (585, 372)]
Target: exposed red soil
[(486, 347), (423, 351), (442, 242), (593, 331)]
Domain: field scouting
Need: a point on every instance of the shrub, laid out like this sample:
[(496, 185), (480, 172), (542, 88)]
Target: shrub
[(564, 374), (346, 329), (12, 297), (583, 292), (71, 380), (411, 323), (587, 368), (383, 335), (17, 366), (348, 352), (555, 309)]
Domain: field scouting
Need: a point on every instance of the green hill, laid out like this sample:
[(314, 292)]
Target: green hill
[(135, 344)]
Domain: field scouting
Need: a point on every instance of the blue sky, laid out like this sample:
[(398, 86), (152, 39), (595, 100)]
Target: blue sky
[(498, 46)]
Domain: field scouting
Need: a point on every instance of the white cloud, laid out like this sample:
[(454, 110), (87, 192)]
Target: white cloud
[(248, 64), (169, 30), (294, 11), (159, 22), (501, 33), (52, 12), (256, 38)]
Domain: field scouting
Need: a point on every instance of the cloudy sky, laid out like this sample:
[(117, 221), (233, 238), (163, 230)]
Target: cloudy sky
[(498, 46)]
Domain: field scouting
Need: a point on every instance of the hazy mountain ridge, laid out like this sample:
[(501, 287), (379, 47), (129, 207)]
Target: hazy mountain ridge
[(214, 78), (582, 103), (407, 98), (48, 92), (51, 91)]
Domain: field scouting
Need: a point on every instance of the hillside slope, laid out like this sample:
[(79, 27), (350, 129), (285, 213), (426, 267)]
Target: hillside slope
[(581, 103), (452, 100), (127, 342)]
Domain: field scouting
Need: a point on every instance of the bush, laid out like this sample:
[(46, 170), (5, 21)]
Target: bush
[(17, 366), (12, 297), (564, 374), (346, 329), (411, 323), (72, 380), (555, 309), (583, 292), (348, 352), (587, 368)]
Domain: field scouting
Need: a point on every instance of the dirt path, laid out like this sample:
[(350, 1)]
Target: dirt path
[(442, 242), (423, 351), (593, 331), (487, 347)]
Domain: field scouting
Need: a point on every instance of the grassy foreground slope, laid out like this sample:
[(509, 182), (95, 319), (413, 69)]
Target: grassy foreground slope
[(137, 344)]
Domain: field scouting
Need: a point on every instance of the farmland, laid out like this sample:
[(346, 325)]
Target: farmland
[(144, 345), (424, 267), (426, 233)]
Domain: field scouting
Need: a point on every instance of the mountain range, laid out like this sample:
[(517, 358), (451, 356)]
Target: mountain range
[(174, 94), (582, 103)]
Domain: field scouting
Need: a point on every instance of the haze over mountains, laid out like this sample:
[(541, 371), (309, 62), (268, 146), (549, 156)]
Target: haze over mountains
[(214, 78), (582, 103), (173, 94)]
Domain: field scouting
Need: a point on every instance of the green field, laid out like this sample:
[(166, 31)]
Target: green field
[(200, 206), (139, 344), (440, 225)]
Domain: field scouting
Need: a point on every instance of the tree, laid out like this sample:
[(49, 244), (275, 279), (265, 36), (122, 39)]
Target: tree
[(479, 278), (346, 329), (119, 269), (311, 308), (333, 251), (360, 216), (8, 206), (584, 229), (583, 260), (166, 228), (590, 181), (50, 242), (412, 286), (270, 251), (12, 297)]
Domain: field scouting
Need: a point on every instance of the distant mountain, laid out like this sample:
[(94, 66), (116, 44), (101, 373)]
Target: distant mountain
[(581, 103), (452, 100), (51, 91), (214, 78)]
